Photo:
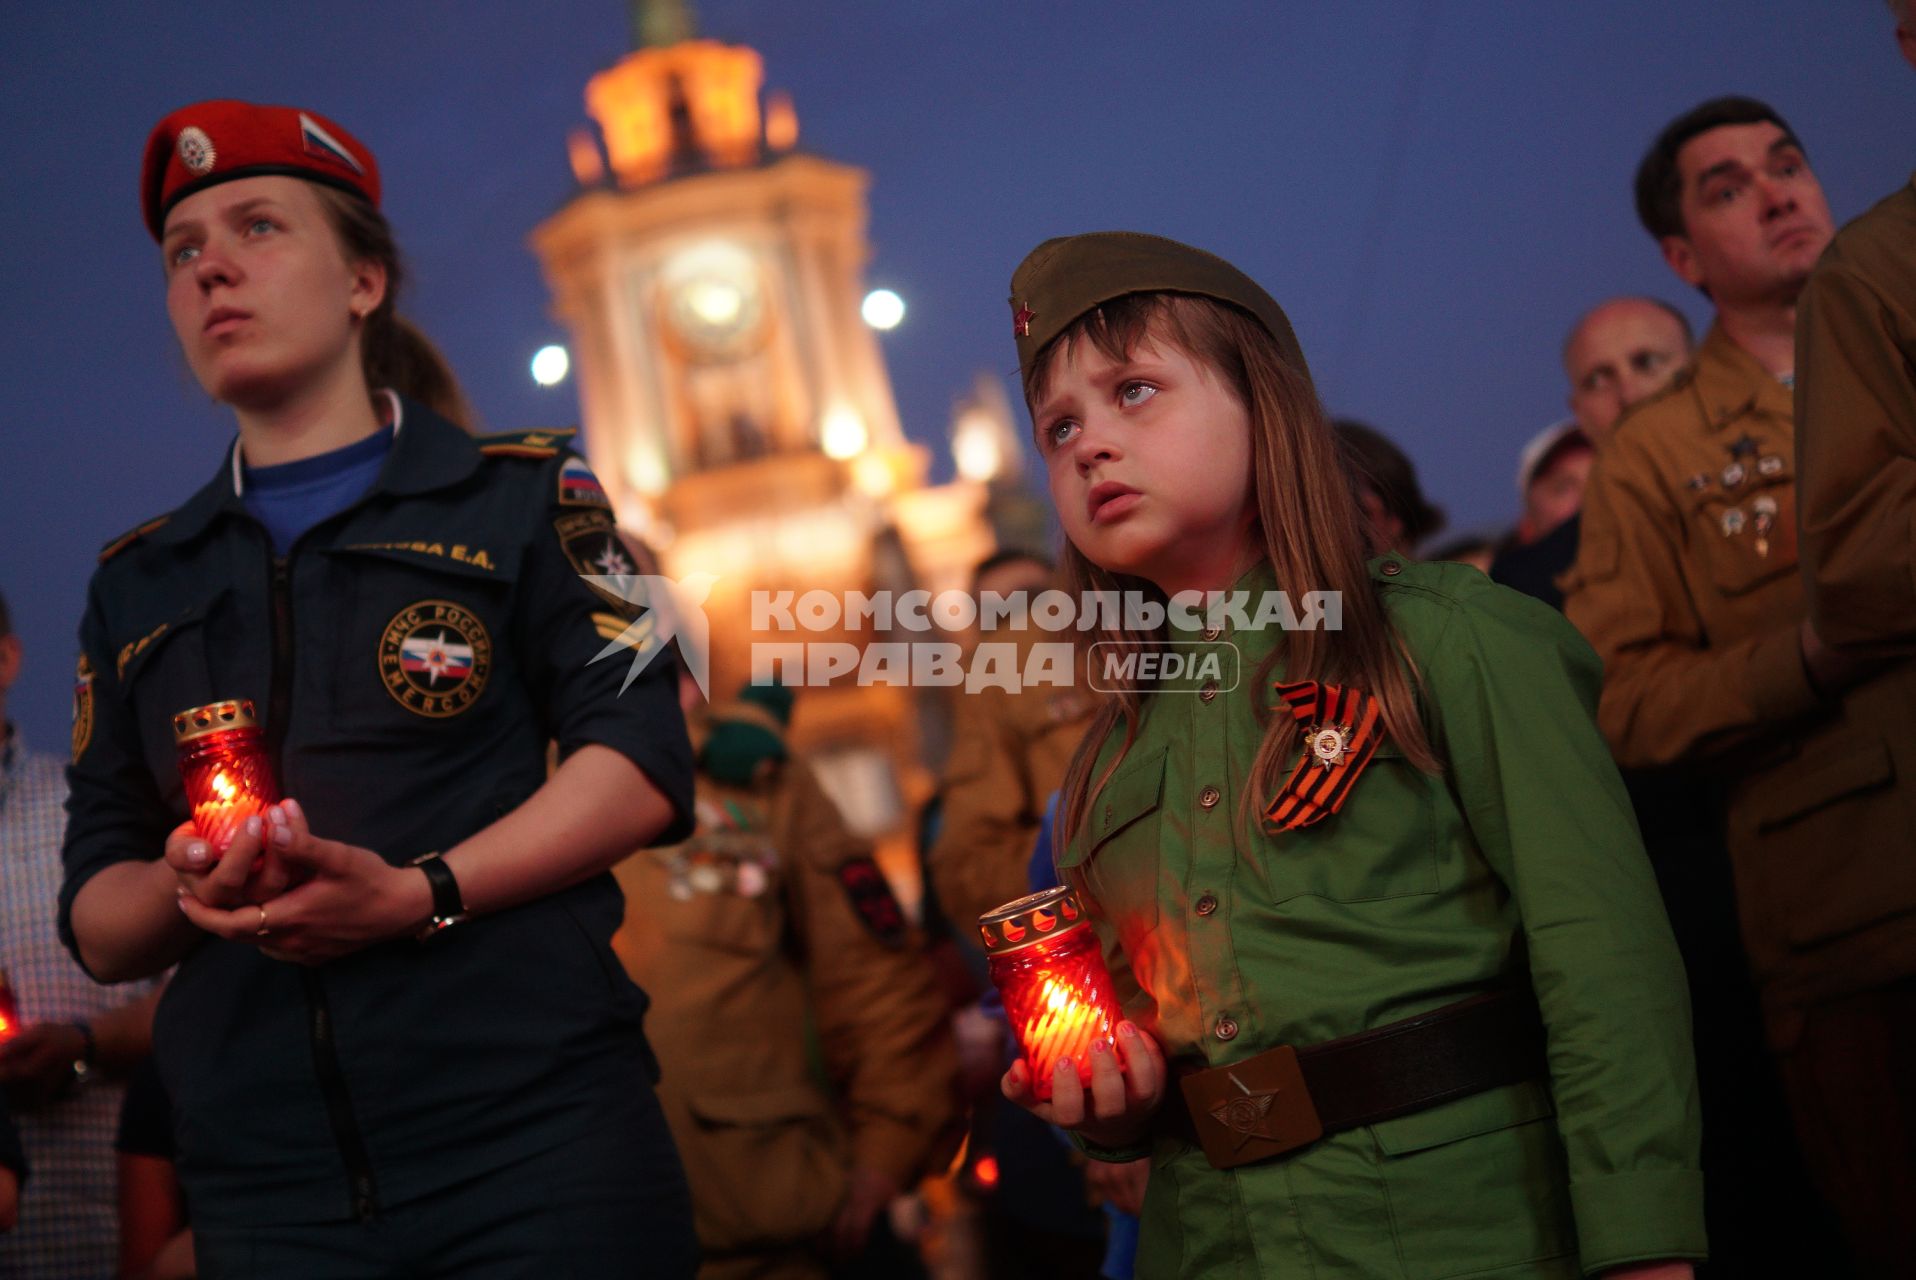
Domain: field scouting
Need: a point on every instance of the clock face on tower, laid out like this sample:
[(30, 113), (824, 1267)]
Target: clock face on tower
[(714, 301)]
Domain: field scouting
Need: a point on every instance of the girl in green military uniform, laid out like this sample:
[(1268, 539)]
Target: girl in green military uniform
[(1400, 996)]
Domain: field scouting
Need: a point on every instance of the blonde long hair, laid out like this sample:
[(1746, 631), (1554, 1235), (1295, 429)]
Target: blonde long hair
[(1308, 526)]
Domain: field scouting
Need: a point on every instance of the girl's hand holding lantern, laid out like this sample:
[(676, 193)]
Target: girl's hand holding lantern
[(1127, 1085), (1044, 958)]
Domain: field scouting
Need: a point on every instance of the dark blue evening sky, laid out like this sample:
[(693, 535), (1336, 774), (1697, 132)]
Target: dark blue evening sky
[(1432, 189)]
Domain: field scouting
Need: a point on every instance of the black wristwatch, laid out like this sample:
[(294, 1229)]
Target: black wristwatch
[(448, 908)]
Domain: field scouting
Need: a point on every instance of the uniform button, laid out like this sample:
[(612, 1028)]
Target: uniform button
[(1212, 633), (1226, 1028), (1208, 692), (1207, 904), (1209, 797), (1391, 568)]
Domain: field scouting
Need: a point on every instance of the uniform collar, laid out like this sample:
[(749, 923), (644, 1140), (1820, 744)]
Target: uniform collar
[(430, 453), (1730, 382)]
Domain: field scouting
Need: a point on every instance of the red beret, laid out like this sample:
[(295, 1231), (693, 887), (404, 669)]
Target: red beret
[(216, 141)]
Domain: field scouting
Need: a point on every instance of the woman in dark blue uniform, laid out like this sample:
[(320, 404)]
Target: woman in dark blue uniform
[(398, 1042)]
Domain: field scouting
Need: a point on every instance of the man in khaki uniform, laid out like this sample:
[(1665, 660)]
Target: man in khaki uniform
[(1856, 456), (1686, 583), (1009, 752), (772, 925)]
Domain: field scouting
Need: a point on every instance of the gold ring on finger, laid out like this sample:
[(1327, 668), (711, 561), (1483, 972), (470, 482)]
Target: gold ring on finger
[(264, 928)]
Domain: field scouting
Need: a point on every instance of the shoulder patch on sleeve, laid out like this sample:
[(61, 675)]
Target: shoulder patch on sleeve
[(578, 487), (131, 536), (590, 541), (872, 899), (540, 443)]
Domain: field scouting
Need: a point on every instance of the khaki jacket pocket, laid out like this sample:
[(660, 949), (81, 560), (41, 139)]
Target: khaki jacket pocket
[(766, 1167), (1828, 853)]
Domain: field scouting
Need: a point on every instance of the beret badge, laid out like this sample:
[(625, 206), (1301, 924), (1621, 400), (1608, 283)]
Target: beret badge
[(1021, 318), (197, 152)]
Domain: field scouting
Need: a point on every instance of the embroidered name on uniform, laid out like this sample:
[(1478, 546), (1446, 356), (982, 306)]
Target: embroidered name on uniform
[(128, 652), (1342, 729), (459, 551), (434, 658)]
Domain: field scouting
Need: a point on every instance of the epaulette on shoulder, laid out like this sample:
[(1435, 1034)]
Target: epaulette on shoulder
[(543, 442), (131, 536)]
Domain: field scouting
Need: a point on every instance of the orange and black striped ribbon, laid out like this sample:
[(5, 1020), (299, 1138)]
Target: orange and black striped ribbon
[(1314, 792)]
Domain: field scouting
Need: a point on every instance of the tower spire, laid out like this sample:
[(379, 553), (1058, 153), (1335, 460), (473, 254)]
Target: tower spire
[(657, 24)]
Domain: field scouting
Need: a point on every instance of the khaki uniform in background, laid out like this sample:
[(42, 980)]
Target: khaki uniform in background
[(1856, 449), (1856, 401), (1009, 752), (771, 924), (1695, 611)]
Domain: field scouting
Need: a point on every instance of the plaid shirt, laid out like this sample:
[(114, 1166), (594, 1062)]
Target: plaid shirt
[(69, 1215)]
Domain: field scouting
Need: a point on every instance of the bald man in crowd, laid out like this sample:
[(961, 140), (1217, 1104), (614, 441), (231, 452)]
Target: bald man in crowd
[(1619, 352)]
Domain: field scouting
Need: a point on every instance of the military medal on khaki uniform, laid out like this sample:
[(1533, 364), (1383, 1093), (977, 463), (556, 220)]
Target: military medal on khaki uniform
[(1763, 510), (1743, 451), (1769, 466), (1733, 521)]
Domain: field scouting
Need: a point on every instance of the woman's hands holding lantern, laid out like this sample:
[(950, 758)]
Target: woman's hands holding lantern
[(334, 898), (1127, 1085), (251, 870)]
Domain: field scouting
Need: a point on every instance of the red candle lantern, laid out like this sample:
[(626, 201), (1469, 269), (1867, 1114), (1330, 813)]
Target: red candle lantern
[(223, 762), (9, 1010), (1045, 961)]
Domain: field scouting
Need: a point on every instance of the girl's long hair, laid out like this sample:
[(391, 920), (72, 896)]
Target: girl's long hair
[(1308, 528), (392, 351)]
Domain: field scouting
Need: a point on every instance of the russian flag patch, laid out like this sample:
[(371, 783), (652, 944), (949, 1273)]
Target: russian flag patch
[(578, 487), (318, 142)]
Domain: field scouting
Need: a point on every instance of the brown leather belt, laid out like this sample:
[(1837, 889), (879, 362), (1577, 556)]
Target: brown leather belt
[(1286, 1098)]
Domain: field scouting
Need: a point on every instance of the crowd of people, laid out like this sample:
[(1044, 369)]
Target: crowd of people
[(1551, 916)]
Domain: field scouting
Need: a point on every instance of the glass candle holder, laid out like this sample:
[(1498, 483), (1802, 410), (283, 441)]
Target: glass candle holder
[(9, 1010), (223, 763), (1045, 961)]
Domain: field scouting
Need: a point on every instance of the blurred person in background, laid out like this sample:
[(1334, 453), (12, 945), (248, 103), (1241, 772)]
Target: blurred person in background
[(1394, 506), (1551, 474), (1687, 584), (61, 1069), (1856, 457), (1619, 352), (768, 936)]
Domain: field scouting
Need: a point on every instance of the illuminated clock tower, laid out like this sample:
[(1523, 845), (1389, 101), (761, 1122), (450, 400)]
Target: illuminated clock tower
[(736, 406)]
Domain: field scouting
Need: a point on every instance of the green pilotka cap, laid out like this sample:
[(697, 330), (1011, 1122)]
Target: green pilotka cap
[(747, 738), (1062, 279)]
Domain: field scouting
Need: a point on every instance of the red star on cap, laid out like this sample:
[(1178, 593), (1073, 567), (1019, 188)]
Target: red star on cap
[(1021, 321)]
